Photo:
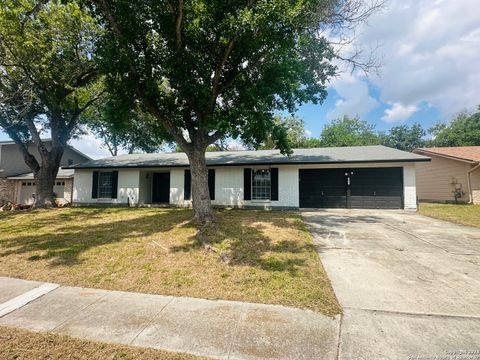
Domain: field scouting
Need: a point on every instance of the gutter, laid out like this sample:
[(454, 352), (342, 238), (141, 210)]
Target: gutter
[(469, 182)]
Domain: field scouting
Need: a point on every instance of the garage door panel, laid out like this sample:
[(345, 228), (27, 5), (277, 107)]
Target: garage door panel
[(370, 188), (376, 202), (322, 188), (334, 202)]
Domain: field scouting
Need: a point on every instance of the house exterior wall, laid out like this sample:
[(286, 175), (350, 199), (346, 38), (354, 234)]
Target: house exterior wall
[(23, 193), (128, 188), (438, 179), (228, 186), (475, 182), (11, 159)]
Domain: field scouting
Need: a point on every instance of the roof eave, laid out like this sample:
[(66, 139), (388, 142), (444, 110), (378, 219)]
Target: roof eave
[(451, 157), (253, 164)]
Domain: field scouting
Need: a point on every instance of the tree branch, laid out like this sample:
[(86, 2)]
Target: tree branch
[(178, 25), (218, 72)]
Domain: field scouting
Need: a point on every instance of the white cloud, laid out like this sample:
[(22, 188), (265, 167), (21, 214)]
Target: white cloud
[(430, 51), (399, 112), (354, 97)]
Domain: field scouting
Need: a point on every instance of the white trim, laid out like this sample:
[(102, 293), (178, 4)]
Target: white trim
[(25, 298)]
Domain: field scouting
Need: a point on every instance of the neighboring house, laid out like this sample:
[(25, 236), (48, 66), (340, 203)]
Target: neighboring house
[(348, 177), (16, 179), (453, 175)]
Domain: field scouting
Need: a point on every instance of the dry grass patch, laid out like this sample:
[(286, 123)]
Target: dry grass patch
[(258, 256), (22, 344), (457, 213)]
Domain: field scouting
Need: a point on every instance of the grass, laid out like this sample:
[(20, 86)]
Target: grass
[(457, 213), (255, 256), (22, 344)]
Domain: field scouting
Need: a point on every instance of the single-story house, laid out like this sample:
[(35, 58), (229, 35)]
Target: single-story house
[(17, 183), (346, 177), (453, 175)]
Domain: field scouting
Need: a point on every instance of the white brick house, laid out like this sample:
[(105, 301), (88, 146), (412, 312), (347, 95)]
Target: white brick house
[(350, 177)]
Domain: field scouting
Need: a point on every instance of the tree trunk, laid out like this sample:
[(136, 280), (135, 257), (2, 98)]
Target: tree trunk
[(45, 181), (202, 206)]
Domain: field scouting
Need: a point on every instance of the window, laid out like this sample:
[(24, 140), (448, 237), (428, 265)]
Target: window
[(70, 162), (260, 184), (105, 185), (24, 184)]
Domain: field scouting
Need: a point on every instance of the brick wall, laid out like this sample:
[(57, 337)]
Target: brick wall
[(7, 190), (476, 196)]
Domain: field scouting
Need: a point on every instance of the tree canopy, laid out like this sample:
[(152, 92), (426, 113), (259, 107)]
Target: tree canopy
[(463, 130), (404, 137), (349, 131), (208, 70), (295, 133), (47, 79), (124, 128)]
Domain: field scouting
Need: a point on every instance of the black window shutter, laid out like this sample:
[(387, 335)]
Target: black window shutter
[(274, 184), (187, 186), (211, 183), (114, 184), (95, 185), (247, 184)]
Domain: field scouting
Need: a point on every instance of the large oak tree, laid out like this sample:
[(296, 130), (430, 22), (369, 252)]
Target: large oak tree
[(47, 79), (212, 69)]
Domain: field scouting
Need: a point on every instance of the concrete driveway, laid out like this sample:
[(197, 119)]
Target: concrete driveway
[(409, 285)]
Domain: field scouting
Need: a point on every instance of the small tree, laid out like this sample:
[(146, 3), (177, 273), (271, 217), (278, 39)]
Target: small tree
[(209, 70), (464, 130), (349, 131), (404, 137), (47, 79)]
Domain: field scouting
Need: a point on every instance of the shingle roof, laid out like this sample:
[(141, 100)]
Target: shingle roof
[(469, 153), (62, 174), (11, 142), (331, 155)]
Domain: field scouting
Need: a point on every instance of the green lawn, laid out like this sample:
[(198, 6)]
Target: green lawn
[(457, 213), (255, 256)]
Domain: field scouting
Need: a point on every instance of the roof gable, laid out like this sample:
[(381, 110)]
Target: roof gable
[(461, 153)]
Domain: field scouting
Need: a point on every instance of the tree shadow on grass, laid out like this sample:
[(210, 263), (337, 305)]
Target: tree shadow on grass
[(68, 242), (239, 237)]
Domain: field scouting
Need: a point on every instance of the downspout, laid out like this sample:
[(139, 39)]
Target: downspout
[(469, 183)]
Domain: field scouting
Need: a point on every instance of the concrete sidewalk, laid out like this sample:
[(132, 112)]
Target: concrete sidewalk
[(217, 329)]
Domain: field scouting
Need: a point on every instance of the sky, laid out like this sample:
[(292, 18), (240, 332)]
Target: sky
[(429, 53)]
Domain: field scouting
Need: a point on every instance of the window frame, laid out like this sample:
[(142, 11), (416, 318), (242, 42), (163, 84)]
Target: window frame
[(99, 192), (253, 193)]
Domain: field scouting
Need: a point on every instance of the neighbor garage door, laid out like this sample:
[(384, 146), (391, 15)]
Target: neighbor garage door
[(356, 188)]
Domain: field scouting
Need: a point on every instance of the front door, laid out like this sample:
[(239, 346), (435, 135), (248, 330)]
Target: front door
[(161, 188)]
